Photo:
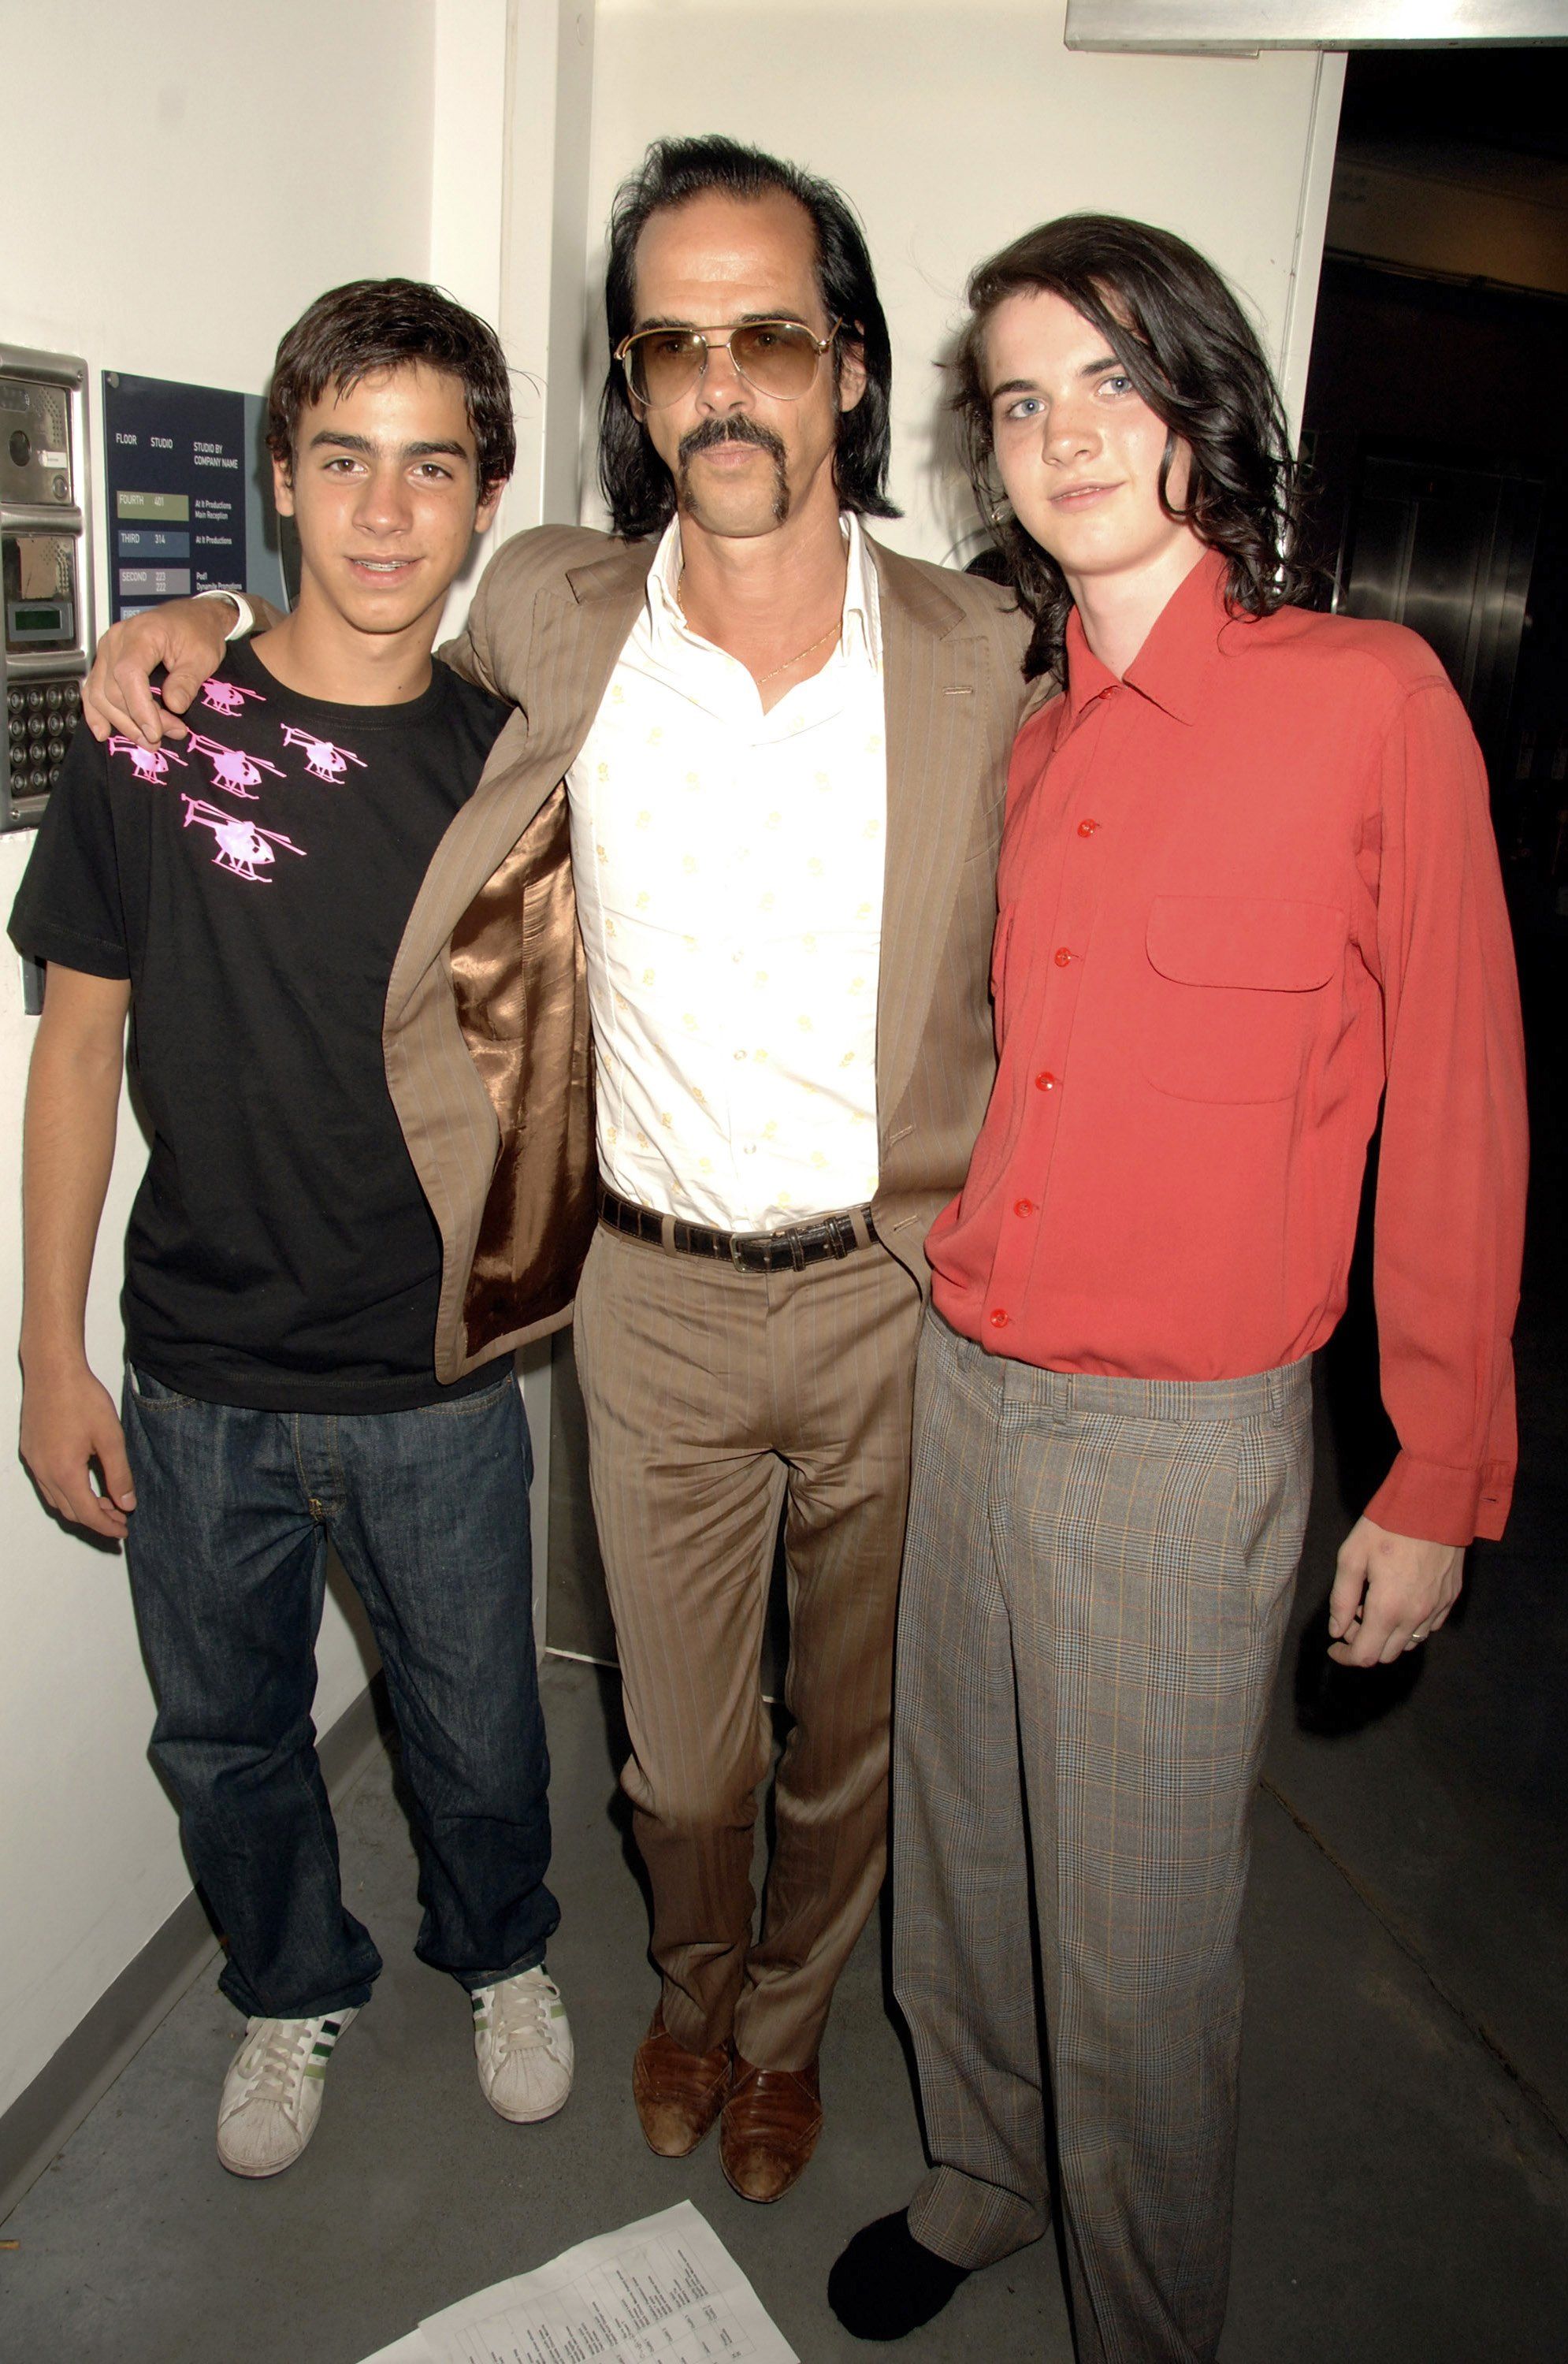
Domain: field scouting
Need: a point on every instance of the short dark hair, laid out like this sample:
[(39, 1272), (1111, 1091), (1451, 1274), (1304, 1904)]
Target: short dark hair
[(1191, 352), (374, 324), (637, 486)]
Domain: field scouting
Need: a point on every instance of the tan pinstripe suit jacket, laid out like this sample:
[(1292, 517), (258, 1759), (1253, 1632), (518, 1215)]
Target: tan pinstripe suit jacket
[(486, 1027)]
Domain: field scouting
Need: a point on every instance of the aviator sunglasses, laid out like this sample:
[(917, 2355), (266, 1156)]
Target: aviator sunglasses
[(780, 358)]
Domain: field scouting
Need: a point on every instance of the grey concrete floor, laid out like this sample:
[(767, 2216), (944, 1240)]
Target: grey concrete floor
[(1402, 2196)]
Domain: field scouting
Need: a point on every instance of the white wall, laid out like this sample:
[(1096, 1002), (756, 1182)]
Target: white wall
[(220, 166), (956, 124)]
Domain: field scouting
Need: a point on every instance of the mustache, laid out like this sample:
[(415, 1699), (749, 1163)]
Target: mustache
[(738, 430)]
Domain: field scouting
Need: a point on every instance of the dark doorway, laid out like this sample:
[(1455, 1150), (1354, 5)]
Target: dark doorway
[(1436, 437), (1437, 434), (1435, 423), (1436, 440)]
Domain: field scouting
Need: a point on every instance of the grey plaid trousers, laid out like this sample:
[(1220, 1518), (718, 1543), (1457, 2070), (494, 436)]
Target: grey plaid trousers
[(1096, 1583)]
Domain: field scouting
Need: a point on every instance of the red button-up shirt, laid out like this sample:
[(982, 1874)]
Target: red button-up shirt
[(1246, 892)]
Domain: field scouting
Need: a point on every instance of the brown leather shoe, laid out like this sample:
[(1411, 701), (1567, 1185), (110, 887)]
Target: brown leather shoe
[(768, 2128), (678, 2093)]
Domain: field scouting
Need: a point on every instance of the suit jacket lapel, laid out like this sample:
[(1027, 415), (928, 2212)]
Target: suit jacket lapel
[(568, 645), (572, 629), (934, 681)]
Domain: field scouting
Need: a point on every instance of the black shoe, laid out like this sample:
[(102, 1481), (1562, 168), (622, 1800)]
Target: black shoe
[(886, 2284)]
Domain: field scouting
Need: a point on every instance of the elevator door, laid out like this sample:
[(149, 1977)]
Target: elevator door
[(1448, 550)]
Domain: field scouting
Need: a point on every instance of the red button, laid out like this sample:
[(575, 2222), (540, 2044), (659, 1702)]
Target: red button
[(1045, 1081), (998, 1319), (1087, 828), (1023, 1206), (1062, 956)]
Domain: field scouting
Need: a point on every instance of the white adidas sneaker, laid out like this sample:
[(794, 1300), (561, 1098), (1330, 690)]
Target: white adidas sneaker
[(523, 2046), (271, 2095)]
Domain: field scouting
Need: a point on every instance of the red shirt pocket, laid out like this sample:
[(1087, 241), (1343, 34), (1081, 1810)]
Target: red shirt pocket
[(1234, 991)]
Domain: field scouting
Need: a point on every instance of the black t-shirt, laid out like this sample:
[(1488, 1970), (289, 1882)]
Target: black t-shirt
[(253, 882)]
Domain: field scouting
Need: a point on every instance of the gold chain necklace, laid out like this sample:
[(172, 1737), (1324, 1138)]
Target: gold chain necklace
[(830, 634), (759, 678)]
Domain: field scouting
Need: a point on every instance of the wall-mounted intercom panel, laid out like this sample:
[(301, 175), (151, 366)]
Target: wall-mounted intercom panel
[(47, 568)]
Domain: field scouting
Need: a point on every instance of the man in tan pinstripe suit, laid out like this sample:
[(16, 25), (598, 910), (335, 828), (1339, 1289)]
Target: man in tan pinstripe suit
[(777, 753)]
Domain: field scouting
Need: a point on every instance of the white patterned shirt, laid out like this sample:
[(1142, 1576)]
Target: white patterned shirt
[(730, 881)]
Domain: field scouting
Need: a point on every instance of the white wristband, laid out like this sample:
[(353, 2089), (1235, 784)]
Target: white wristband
[(244, 623)]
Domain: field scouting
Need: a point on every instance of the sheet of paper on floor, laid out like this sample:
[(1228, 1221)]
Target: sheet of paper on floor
[(665, 2288)]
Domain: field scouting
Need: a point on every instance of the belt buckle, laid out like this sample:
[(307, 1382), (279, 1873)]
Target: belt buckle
[(757, 1252)]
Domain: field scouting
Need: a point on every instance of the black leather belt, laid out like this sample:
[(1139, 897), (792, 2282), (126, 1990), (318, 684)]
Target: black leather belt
[(830, 1235)]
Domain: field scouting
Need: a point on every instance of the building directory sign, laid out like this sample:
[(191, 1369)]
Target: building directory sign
[(188, 492)]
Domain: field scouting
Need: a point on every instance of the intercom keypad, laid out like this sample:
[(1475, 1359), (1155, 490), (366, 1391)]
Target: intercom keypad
[(45, 571), (39, 721)]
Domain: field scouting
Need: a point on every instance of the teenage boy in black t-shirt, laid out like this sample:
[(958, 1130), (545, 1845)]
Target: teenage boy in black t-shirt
[(242, 895)]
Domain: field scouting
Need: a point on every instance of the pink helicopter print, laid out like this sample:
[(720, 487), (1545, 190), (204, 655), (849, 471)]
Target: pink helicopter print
[(322, 759), (147, 762), (232, 768), (226, 697), (242, 848)]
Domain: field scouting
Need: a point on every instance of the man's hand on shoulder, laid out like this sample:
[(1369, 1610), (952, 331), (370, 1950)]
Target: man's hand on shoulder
[(186, 636), (69, 1421), (1390, 1591)]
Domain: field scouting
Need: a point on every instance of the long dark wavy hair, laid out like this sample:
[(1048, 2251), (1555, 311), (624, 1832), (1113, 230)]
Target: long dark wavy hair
[(638, 487), (1187, 346)]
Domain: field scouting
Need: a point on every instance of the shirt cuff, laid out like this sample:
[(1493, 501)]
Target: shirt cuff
[(1444, 1505)]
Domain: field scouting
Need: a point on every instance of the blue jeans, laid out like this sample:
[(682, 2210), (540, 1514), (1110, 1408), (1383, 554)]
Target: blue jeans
[(227, 1551)]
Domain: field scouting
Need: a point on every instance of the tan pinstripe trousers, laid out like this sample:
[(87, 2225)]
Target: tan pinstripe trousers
[(714, 1398), (1096, 1589)]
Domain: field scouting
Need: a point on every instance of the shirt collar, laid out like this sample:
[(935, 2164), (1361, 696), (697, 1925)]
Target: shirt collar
[(862, 631), (664, 576), (1171, 667)]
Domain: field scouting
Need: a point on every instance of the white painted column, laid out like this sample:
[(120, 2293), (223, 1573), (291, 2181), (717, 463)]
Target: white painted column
[(544, 301), (1295, 351), (509, 211), (469, 143)]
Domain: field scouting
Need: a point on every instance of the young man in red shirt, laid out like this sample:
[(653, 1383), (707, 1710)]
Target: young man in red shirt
[(1248, 893)]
